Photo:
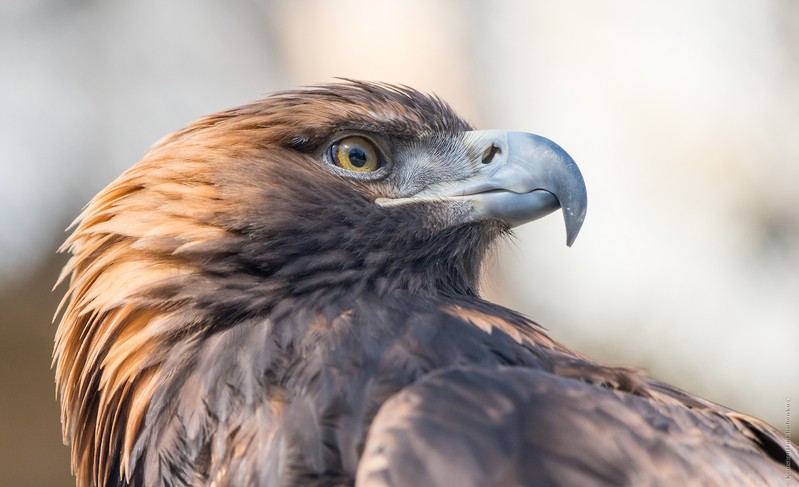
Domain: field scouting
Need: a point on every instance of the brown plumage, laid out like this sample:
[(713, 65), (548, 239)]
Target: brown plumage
[(245, 307)]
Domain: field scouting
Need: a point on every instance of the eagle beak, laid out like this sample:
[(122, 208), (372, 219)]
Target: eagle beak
[(522, 177), (519, 178)]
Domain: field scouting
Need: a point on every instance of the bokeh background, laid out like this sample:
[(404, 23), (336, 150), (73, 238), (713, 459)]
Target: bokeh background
[(683, 115)]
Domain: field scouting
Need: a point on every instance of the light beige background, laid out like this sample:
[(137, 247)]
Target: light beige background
[(682, 115)]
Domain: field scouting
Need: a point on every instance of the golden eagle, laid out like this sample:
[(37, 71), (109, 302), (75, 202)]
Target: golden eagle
[(285, 293)]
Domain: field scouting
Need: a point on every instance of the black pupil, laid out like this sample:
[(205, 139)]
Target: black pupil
[(357, 157)]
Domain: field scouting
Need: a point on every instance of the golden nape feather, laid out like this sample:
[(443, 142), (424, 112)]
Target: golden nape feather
[(285, 293)]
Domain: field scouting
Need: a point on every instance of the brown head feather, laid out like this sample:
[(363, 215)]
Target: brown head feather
[(146, 249)]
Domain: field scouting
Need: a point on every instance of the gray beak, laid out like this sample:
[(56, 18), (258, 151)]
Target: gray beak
[(524, 177), (519, 178)]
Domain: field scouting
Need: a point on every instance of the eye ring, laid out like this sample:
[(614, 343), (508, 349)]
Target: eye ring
[(356, 153)]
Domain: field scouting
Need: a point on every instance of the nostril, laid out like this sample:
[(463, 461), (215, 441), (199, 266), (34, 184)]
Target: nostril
[(489, 153)]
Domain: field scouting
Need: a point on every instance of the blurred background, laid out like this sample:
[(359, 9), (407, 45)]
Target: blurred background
[(682, 115)]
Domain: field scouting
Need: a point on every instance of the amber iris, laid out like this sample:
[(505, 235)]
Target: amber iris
[(356, 154)]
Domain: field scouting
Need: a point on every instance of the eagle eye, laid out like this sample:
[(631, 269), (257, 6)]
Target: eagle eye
[(356, 154)]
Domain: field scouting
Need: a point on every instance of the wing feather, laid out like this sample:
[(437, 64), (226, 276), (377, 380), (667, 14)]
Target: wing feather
[(510, 426)]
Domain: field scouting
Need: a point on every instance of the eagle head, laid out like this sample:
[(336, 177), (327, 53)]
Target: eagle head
[(307, 198)]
